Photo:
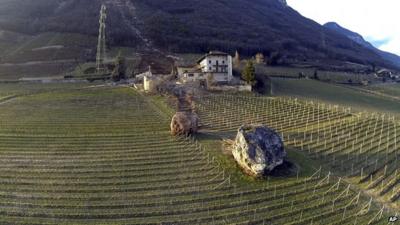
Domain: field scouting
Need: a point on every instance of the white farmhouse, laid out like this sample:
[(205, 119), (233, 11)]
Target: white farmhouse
[(217, 65)]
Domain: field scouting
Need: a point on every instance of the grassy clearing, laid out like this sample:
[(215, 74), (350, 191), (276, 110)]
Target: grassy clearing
[(331, 76), (333, 94), (388, 89), (214, 144), (27, 88)]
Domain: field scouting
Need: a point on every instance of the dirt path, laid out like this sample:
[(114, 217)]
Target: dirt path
[(32, 63), (7, 99)]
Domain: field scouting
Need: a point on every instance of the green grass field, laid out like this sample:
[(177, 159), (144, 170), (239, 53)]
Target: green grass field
[(334, 94), (335, 77), (82, 154), (28, 88), (388, 89)]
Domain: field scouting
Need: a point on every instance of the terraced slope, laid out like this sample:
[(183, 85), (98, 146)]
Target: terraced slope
[(104, 156), (363, 148)]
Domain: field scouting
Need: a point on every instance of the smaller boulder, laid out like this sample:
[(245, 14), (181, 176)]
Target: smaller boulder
[(258, 149), (184, 123)]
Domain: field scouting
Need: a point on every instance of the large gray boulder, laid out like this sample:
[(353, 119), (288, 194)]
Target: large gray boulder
[(258, 149), (184, 123)]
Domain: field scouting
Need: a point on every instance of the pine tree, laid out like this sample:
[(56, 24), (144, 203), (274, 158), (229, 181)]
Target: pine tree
[(249, 73), (316, 77)]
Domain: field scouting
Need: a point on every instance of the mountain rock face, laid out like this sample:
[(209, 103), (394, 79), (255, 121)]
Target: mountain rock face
[(283, 2), (350, 34), (258, 149), (357, 38), (191, 26)]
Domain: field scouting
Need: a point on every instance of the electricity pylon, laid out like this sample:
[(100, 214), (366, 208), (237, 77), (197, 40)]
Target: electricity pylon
[(101, 45)]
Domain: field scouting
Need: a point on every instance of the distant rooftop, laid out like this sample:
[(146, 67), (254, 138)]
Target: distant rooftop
[(217, 53), (212, 53), (193, 69)]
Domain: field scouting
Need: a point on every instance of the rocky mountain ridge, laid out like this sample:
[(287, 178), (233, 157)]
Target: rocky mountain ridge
[(357, 38), (191, 26)]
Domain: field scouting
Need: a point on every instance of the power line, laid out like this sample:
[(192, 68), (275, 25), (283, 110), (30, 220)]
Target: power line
[(101, 45)]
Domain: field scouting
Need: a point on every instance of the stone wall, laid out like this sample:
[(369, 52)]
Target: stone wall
[(241, 88)]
